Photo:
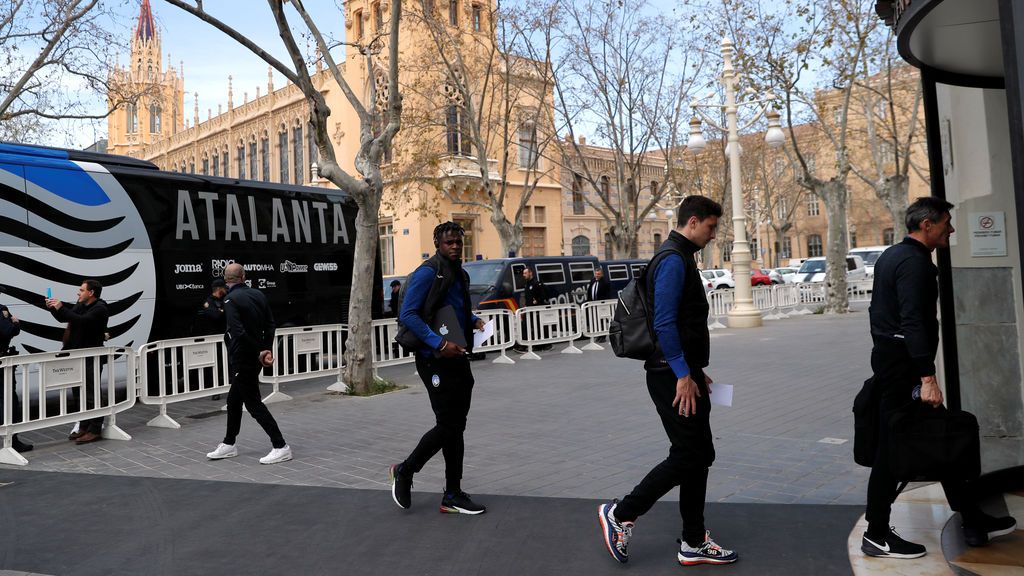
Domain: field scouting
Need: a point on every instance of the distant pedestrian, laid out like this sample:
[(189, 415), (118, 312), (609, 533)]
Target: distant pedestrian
[(905, 333), (86, 328), (10, 327), (599, 288), (396, 289), (211, 319), (680, 390), (534, 293), (443, 367), (249, 340)]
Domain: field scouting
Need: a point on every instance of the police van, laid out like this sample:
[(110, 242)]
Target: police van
[(156, 240), (499, 283)]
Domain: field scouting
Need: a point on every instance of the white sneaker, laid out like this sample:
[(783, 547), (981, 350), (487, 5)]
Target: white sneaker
[(223, 451), (277, 455)]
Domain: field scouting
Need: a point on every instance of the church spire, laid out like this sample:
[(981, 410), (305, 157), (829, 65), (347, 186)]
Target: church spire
[(146, 29)]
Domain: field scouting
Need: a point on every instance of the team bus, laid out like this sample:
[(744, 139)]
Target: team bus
[(156, 240)]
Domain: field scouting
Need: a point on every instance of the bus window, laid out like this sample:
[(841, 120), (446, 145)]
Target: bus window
[(517, 277), (550, 274), (617, 272), (581, 272), (638, 269)]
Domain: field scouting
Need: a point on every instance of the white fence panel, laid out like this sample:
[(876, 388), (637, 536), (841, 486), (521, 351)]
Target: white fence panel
[(86, 385), (811, 294), (859, 291), (181, 369), (764, 301), (597, 317), (387, 352), (787, 298), (720, 303), (551, 324), (504, 333), (306, 352)]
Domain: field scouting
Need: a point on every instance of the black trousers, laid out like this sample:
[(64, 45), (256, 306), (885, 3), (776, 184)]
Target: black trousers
[(449, 383), (245, 389), (893, 372), (94, 425), (13, 386), (691, 452)]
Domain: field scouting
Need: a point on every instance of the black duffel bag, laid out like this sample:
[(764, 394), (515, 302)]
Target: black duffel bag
[(927, 443)]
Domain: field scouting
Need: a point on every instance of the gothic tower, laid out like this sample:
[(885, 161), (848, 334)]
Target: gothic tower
[(147, 98)]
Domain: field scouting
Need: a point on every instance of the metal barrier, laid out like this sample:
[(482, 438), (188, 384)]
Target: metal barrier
[(764, 301), (549, 324), (859, 291), (810, 293), (89, 376), (597, 317), (504, 333), (306, 352), (182, 369), (720, 303), (387, 352), (787, 296)]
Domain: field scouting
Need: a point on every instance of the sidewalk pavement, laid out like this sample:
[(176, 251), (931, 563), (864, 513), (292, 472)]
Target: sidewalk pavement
[(566, 427)]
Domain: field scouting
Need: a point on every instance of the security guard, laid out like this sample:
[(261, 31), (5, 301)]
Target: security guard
[(211, 319), (9, 328)]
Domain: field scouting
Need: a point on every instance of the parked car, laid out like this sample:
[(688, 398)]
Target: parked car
[(870, 254), (813, 269), (717, 279), (787, 273), (759, 277)]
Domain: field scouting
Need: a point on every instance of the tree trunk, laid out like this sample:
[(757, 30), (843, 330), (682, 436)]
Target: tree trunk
[(511, 235), (834, 195), (892, 191), (358, 358)]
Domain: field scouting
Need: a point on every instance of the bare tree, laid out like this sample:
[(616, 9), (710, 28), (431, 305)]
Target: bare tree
[(378, 125), (56, 60), (624, 76), (491, 115)]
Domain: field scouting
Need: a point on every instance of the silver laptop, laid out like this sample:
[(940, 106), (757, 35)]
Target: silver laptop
[(446, 324)]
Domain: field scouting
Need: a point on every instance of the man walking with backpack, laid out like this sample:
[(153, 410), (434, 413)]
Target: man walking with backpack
[(679, 388), (440, 283)]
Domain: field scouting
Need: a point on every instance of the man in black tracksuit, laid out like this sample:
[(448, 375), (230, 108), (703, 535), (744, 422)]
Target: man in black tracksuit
[(9, 328), (211, 319), (443, 367), (678, 386), (87, 328), (905, 332), (249, 340)]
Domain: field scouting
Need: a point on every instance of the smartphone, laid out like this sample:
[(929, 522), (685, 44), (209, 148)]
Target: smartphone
[(49, 293)]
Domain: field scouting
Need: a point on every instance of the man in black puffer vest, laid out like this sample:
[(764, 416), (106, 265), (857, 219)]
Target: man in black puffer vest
[(679, 388), (442, 365)]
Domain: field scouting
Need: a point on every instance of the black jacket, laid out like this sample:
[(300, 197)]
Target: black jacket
[(904, 299), (87, 324), (692, 318), (8, 329), (394, 305), (250, 327), (534, 293), (604, 290), (210, 319)]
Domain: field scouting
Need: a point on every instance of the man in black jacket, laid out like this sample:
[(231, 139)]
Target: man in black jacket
[(533, 292), (905, 332), (9, 328), (249, 340), (679, 388), (87, 328), (599, 288), (211, 318)]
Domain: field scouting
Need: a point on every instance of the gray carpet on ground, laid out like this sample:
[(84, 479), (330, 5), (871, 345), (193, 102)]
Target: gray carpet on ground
[(80, 524)]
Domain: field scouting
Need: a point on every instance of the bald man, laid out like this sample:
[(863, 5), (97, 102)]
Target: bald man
[(249, 340)]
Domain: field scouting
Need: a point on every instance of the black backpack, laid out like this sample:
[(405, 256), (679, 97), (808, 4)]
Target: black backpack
[(631, 332)]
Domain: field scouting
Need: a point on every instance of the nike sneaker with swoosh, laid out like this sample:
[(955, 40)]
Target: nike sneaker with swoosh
[(892, 546)]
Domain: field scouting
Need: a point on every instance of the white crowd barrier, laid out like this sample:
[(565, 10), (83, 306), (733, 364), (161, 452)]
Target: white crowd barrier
[(812, 294), (84, 384), (387, 352), (859, 290), (181, 369), (787, 298), (551, 324), (597, 317), (504, 336), (764, 301), (720, 303), (306, 352)]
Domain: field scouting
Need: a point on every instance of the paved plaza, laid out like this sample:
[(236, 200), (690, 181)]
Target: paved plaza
[(546, 440)]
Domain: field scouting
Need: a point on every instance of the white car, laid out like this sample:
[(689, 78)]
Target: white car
[(773, 274), (813, 269), (788, 274), (870, 254), (718, 278)]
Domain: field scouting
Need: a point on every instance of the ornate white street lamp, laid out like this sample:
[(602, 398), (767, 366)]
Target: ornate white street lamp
[(743, 313)]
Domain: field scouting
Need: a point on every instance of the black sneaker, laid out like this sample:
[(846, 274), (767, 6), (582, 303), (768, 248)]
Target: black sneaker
[(891, 547), (988, 527), (460, 503), (401, 487)]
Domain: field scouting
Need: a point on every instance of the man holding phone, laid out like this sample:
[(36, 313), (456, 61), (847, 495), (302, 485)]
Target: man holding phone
[(441, 285)]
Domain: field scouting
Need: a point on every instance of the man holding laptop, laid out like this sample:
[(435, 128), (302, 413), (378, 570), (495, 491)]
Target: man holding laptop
[(436, 316)]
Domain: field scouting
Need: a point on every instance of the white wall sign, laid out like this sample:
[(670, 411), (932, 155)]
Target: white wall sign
[(988, 233)]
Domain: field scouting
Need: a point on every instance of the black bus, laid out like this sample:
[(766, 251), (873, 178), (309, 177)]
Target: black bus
[(157, 239), (499, 283)]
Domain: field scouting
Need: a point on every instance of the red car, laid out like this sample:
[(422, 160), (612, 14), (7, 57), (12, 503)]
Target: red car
[(759, 278)]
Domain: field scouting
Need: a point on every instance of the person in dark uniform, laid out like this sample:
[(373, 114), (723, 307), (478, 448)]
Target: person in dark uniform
[(905, 333), (87, 328), (599, 288), (396, 289), (211, 319), (249, 339), (9, 328), (443, 367), (533, 292), (680, 390)]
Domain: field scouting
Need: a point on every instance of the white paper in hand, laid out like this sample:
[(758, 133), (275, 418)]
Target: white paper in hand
[(721, 394), (480, 337)]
